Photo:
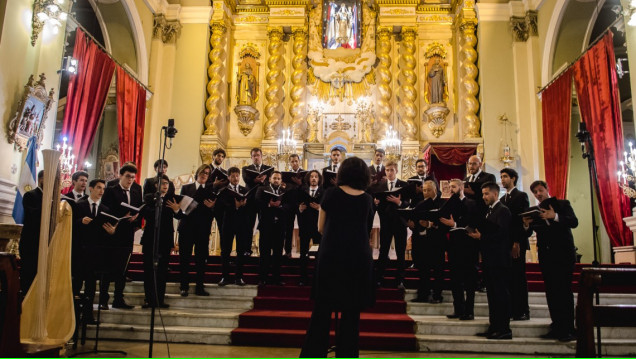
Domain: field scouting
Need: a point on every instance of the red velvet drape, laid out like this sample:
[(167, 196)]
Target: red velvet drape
[(131, 114), (597, 91), (86, 96), (448, 162), (556, 107)]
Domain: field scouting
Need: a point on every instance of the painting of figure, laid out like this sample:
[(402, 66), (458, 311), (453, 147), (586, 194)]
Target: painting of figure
[(31, 117), (341, 24)]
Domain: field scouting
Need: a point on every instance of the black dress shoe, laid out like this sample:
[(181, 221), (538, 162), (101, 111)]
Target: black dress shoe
[(522, 317), (483, 334), (121, 304), (436, 300), (146, 305), (201, 292), (453, 316), (240, 282), (164, 305), (549, 335), (90, 321), (419, 300), (223, 282), (184, 292), (467, 317), (567, 337), (103, 307), (506, 334)]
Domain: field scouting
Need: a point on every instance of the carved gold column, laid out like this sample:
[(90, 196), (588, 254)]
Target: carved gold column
[(406, 80), (214, 103), (298, 124), (274, 93), (384, 77), (468, 58)]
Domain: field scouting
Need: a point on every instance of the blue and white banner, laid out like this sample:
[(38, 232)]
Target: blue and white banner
[(27, 179)]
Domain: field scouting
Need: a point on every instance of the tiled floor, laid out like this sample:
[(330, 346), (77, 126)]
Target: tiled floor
[(140, 350)]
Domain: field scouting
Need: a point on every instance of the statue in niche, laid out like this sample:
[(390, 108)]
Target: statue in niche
[(246, 87), (341, 25), (437, 82)]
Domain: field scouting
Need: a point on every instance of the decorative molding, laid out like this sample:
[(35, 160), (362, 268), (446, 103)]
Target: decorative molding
[(397, 2), (251, 19), (195, 14), (157, 6), (172, 12), (287, 12), (166, 30), (434, 9), (519, 28), (7, 197), (493, 12), (397, 11), (532, 21), (435, 18)]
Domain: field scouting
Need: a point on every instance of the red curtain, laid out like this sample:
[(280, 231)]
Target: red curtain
[(86, 96), (448, 162), (556, 101), (597, 91), (131, 114)]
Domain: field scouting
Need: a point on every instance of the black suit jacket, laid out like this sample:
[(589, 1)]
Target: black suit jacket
[(250, 184), (233, 219), (199, 220), (326, 184), (386, 207), (374, 173), (150, 187), (495, 245), (435, 234), (517, 202), (30, 236), (270, 217), (483, 177), (86, 235), (113, 197), (309, 217), (556, 240), (166, 235)]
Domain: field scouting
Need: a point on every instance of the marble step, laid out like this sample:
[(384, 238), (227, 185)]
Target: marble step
[(533, 328), (481, 309), (212, 288), (175, 334), (193, 301), (536, 297), (518, 345), (174, 317)]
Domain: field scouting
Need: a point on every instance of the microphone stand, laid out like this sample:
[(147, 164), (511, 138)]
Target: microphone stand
[(585, 139), (168, 132)]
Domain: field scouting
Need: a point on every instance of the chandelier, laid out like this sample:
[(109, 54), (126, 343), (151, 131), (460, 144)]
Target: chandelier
[(67, 163), (286, 146), (391, 144), (627, 174)]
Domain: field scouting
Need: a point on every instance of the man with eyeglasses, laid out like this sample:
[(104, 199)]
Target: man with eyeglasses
[(114, 196), (194, 230)]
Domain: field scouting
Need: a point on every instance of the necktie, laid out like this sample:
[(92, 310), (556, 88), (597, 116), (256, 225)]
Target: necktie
[(422, 178), (127, 192), (313, 192), (334, 168), (258, 168), (79, 195), (489, 212), (94, 210), (472, 178), (378, 170), (507, 197), (391, 186)]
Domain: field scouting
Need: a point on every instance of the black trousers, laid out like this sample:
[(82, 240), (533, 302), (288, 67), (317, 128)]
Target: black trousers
[(271, 251), (463, 261), (308, 233), (391, 227), (227, 239), (557, 276), (150, 281), (252, 212), (497, 281), (289, 233), (198, 241), (519, 286), (316, 342), (120, 284), (430, 265)]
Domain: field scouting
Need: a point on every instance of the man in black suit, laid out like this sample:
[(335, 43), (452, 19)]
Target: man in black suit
[(557, 256), (333, 167), (30, 236), (87, 239), (155, 278), (150, 184), (251, 182), (292, 189), (271, 224), (194, 230), (234, 218), (493, 233), (218, 180), (79, 181), (391, 225), (124, 236), (115, 182), (463, 253), (428, 244), (376, 167), (308, 219), (422, 174), (517, 202), (478, 177)]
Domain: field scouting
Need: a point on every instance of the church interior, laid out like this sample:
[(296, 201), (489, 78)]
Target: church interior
[(542, 87)]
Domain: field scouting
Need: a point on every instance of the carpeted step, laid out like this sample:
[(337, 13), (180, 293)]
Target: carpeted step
[(305, 292), (302, 304)]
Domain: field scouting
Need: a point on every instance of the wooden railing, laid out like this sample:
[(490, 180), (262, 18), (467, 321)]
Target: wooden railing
[(590, 315)]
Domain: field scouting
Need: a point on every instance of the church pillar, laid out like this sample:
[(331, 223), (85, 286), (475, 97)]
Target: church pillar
[(160, 81), (298, 124), (384, 77), (214, 103), (468, 72), (274, 94), (407, 92)]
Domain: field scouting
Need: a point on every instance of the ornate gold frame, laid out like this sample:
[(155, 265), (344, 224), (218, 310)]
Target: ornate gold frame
[(34, 95), (109, 155)]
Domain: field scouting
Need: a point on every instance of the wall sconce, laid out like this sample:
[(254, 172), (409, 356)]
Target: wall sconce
[(506, 150), (46, 12)]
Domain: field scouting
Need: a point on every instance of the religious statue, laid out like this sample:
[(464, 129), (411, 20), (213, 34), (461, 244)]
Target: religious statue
[(437, 82), (341, 27), (246, 94)]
